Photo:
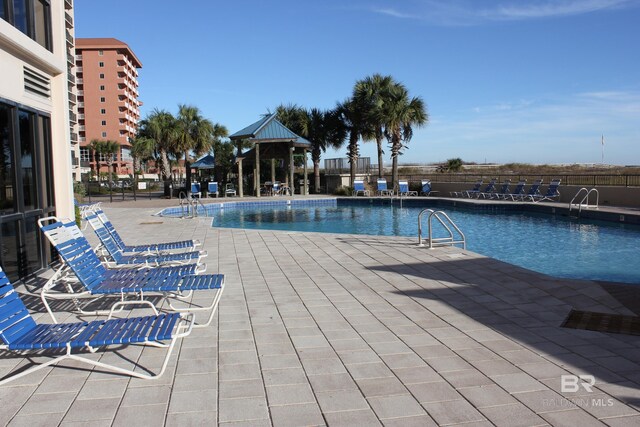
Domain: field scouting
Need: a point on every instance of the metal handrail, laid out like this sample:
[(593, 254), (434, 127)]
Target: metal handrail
[(582, 203), (442, 241)]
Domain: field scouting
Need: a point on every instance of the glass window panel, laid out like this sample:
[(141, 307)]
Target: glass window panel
[(3, 9), (41, 23), (9, 249), (44, 173), (20, 20), (7, 184), (27, 165), (31, 250)]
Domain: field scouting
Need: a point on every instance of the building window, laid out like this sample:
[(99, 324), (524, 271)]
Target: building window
[(102, 87), (101, 64), (104, 123), (26, 189), (101, 52), (103, 111), (84, 154), (102, 99), (101, 75), (104, 134), (32, 17)]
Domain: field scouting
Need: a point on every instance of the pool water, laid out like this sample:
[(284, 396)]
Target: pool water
[(553, 245)]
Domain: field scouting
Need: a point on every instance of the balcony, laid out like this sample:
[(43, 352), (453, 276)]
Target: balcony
[(68, 4), (80, 93), (73, 118), (70, 40), (72, 97), (74, 136), (78, 70), (68, 20), (71, 77)]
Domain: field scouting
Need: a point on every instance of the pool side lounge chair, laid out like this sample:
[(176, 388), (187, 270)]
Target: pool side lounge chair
[(358, 187), (382, 188), (534, 190), (517, 192), (551, 194), (153, 248), (229, 190), (212, 189), (426, 188), (20, 333), (490, 188), (195, 190), (496, 194), (476, 188), (96, 281), (114, 256), (403, 188)]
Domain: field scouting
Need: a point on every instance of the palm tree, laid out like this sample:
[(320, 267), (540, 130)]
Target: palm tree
[(195, 133), (160, 126), (353, 120), (401, 114), (104, 149), (141, 150), (369, 94)]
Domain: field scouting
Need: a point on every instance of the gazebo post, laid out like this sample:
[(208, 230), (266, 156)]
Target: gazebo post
[(292, 186), (239, 179), (273, 170), (257, 180), (306, 186)]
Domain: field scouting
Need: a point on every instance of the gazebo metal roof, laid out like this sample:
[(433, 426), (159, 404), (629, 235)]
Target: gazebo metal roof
[(269, 129), (207, 162)]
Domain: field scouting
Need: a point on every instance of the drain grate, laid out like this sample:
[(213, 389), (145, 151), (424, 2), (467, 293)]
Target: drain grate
[(603, 322)]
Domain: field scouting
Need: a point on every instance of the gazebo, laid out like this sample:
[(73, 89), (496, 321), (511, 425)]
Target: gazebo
[(271, 140)]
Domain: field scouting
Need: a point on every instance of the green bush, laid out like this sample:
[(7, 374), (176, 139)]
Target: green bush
[(343, 191), (78, 216), (79, 189)]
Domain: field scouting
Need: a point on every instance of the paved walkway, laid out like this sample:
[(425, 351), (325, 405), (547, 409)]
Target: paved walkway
[(323, 329)]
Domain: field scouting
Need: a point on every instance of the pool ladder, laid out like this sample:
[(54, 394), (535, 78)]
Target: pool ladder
[(189, 205), (447, 223), (581, 204)]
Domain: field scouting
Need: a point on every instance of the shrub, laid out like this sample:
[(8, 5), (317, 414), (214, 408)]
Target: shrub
[(343, 191)]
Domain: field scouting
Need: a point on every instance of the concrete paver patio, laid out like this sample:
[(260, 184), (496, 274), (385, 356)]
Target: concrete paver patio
[(327, 329)]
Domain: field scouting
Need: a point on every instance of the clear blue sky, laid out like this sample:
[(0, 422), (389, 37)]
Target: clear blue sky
[(504, 81)]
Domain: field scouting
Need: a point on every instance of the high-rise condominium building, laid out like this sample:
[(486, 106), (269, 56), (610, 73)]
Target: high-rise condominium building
[(36, 54), (108, 105)]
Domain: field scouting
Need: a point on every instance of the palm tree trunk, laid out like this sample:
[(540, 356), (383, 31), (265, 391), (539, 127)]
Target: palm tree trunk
[(395, 150), (316, 175), (187, 172), (353, 157), (380, 153)]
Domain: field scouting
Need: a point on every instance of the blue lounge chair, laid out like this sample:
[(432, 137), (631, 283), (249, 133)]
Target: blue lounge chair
[(212, 189), (534, 190), (490, 188), (551, 194), (382, 188), (20, 333), (516, 193), (195, 189), (475, 189), (358, 187), (497, 194), (275, 190), (118, 259), (154, 248), (426, 188), (403, 188), (169, 283)]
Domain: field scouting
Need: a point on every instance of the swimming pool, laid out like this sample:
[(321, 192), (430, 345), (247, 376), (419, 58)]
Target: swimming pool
[(554, 245)]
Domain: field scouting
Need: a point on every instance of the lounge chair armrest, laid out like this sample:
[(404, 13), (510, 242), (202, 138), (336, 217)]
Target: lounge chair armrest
[(201, 268), (117, 307)]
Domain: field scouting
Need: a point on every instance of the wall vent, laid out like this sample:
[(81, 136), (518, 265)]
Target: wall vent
[(36, 83)]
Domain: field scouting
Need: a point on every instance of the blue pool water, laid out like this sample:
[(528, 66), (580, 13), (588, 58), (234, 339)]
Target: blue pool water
[(553, 245)]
